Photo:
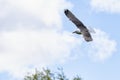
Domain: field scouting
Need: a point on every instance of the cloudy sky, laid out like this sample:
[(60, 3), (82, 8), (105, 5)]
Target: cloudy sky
[(36, 33)]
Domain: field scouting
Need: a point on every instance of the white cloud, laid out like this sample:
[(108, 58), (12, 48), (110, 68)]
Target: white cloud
[(102, 47), (112, 6), (20, 50), (31, 35), (47, 11)]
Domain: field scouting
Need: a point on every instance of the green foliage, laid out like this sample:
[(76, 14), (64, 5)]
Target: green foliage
[(46, 74), (77, 78)]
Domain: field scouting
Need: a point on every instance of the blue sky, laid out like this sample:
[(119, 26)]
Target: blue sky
[(36, 33)]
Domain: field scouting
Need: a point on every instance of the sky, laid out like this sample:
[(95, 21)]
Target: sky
[(36, 34)]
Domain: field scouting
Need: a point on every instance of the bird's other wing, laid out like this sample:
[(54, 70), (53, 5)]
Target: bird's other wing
[(87, 36), (76, 21)]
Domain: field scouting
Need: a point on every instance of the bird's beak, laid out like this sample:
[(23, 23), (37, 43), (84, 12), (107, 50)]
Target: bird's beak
[(73, 32)]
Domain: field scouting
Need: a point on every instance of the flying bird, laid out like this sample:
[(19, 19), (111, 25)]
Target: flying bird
[(83, 29)]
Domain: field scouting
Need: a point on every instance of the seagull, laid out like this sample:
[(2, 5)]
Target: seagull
[(82, 28)]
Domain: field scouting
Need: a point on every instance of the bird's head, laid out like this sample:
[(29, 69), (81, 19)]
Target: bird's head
[(77, 32)]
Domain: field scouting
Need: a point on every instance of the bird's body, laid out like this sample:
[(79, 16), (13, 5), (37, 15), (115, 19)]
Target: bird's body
[(83, 30)]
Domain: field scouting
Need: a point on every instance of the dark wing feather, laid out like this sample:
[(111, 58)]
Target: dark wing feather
[(79, 24), (76, 21), (87, 36)]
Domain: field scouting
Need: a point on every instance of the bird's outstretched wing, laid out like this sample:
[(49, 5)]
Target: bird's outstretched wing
[(79, 25), (76, 21)]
